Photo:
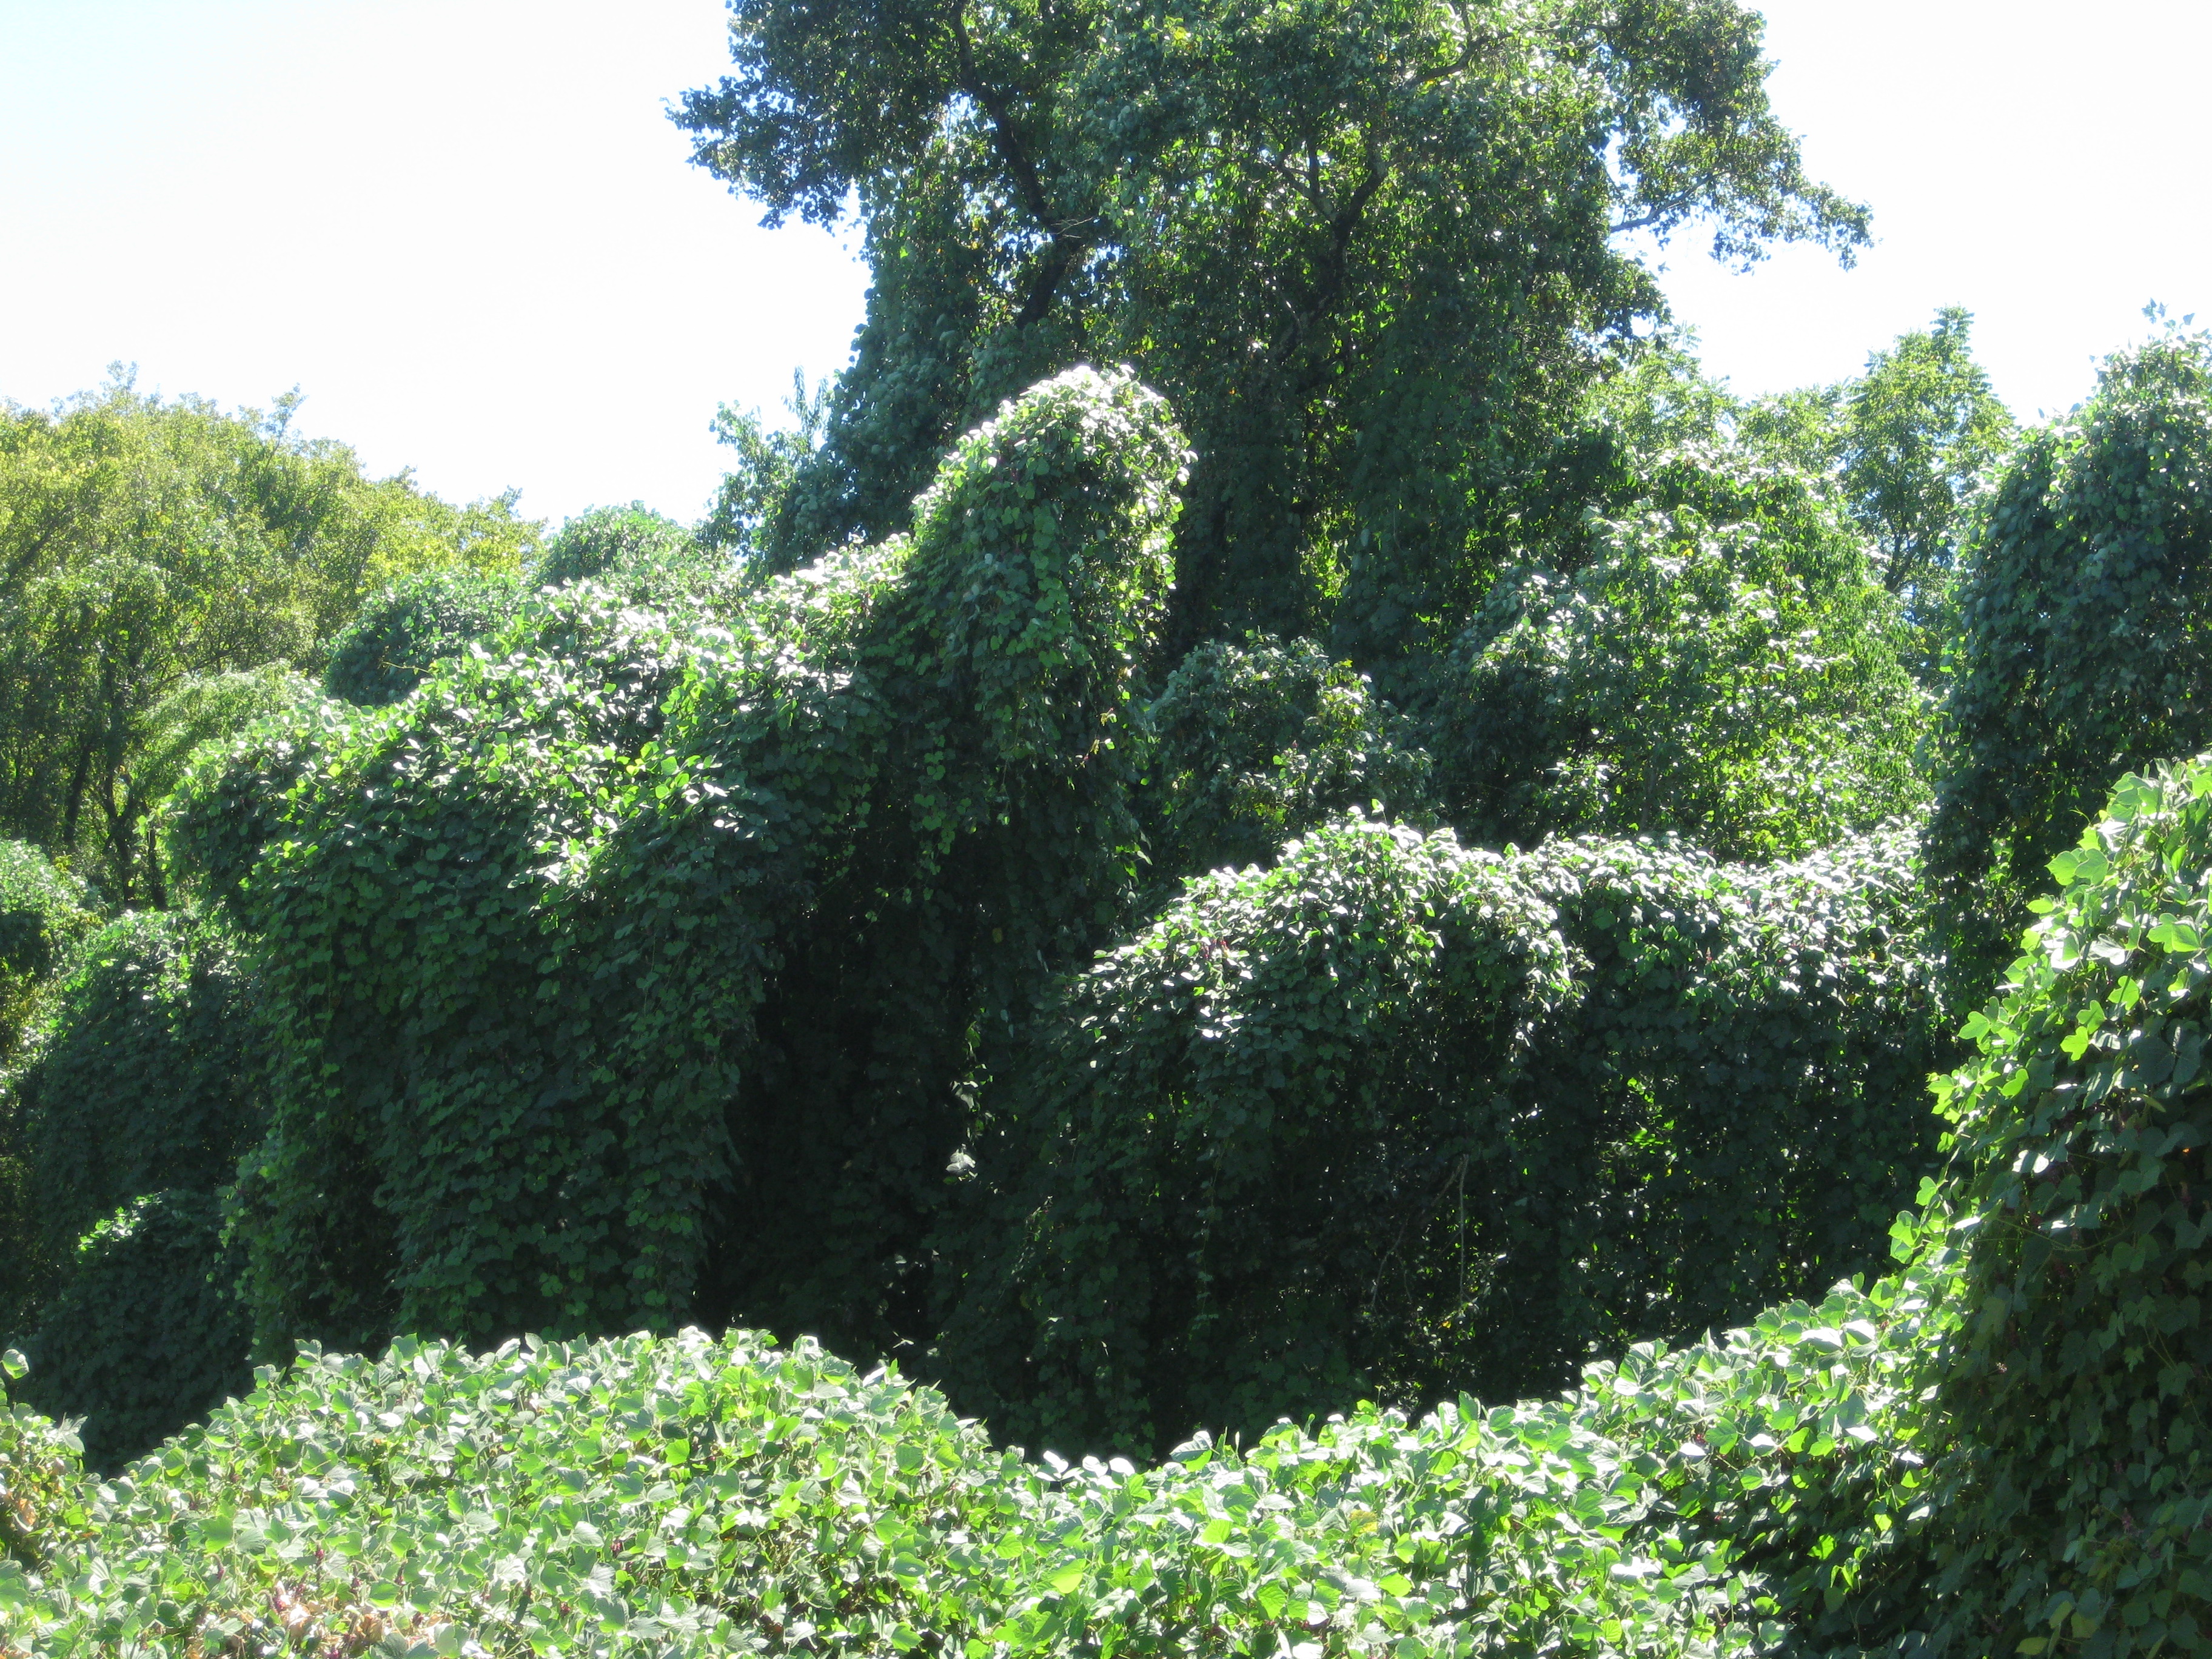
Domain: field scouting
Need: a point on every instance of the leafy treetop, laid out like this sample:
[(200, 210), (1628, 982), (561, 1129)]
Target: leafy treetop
[(146, 546), (1911, 442), (1366, 248)]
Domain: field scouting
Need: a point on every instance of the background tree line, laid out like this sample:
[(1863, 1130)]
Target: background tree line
[(167, 571)]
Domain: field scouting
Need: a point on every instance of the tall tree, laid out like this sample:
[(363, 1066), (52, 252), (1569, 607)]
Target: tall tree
[(1370, 249), (1910, 442), (154, 556), (1922, 427)]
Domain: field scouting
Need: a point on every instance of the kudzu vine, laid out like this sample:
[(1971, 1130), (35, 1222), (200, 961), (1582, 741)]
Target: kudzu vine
[(1398, 1117), (623, 972), (647, 964), (141, 1080), (1997, 1448), (2082, 650)]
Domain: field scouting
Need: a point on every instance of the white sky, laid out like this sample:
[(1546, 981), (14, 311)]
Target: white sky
[(466, 230), (2042, 164)]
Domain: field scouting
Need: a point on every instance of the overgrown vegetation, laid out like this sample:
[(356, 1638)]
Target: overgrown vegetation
[(1900, 1465), (2082, 650), (141, 1080), (554, 950), (1367, 251), (1425, 862), (1395, 1119)]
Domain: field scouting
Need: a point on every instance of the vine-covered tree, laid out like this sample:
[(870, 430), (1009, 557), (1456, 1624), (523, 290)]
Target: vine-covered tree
[(751, 514), (2085, 648), (1399, 1118), (625, 972), (1716, 658), (1370, 250)]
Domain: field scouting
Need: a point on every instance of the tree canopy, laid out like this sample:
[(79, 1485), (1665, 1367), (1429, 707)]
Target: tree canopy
[(149, 549), (1370, 250), (1715, 659), (1911, 442)]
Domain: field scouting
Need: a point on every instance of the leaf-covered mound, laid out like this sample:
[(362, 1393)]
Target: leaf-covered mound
[(1718, 659), (620, 953), (652, 1495), (140, 1077), (1404, 1117), (2083, 651)]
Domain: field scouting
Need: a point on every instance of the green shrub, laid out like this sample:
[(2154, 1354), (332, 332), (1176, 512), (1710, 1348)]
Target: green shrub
[(41, 1473), (399, 634), (1725, 667), (146, 1333), (45, 915), (143, 1073), (681, 1496), (625, 972), (1396, 1117), (1226, 1184), (43, 912)]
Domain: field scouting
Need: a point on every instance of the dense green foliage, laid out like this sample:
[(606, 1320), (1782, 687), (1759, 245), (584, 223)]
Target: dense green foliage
[(43, 917), (399, 634), (1910, 442), (141, 1083), (2075, 1507), (1999, 1450), (619, 545), (146, 546), (751, 515), (650, 1496), (631, 553), (1252, 745), (144, 1332), (640, 1495), (1395, 1119), (1369, 252), (636, 969), (619, 974), (1469, 924), (2084, 645), (1223, 959), (1723, 667)]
